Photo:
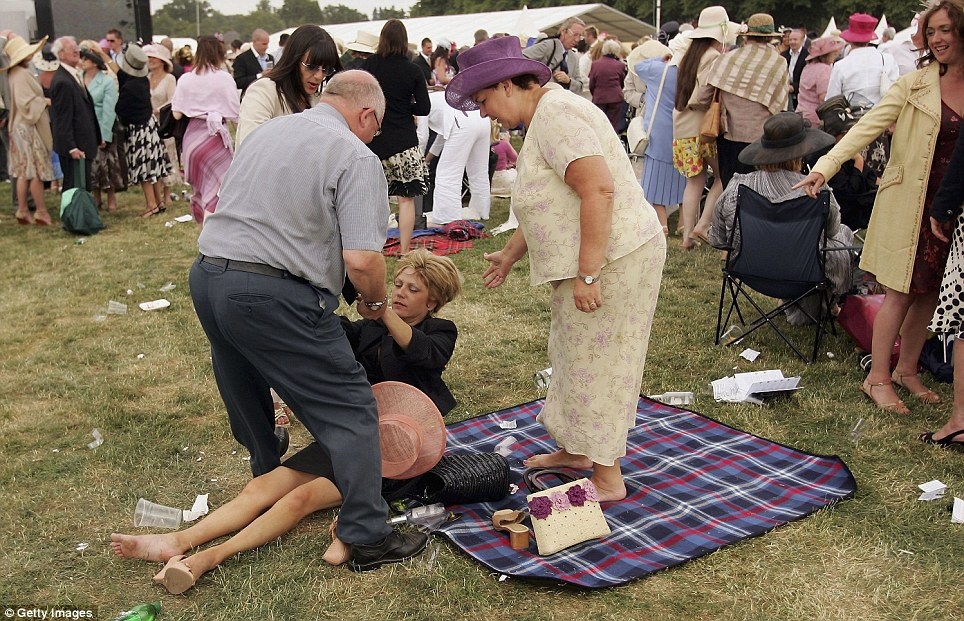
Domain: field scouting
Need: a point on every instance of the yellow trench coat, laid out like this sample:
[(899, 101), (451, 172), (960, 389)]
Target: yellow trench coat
[(914, 103)]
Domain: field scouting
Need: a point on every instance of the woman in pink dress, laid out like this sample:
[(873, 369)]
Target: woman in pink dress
[(209, 97), (816, 76)]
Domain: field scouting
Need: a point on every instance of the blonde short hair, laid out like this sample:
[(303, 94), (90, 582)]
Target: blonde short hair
[(443, 279)]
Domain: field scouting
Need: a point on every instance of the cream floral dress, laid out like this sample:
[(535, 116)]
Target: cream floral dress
[(597, 358)]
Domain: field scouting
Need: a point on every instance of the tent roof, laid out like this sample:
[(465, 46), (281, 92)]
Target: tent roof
[(523, 23)]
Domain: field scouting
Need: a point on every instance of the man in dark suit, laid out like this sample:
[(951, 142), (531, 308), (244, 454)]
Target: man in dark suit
[(74, 123), (249, 65), (423, 58), (796, 57)]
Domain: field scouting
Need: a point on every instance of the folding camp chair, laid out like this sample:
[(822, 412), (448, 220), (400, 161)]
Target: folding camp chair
[(776, 249)]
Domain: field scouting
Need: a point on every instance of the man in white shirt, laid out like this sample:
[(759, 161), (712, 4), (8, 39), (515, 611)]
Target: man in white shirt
[(796, 56), (857, 76)]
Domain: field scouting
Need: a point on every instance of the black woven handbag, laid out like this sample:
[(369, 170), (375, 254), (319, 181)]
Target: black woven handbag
[(467, 478)]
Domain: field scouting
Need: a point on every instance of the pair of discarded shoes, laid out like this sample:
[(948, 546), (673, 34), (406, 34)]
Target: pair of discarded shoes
[(510, 520)]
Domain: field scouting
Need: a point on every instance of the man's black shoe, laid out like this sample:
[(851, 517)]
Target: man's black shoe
[(394, 548), (283, 439)]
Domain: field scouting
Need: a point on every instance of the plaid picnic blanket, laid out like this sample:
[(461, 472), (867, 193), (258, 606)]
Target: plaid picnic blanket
[(695, 485), (451, 238)]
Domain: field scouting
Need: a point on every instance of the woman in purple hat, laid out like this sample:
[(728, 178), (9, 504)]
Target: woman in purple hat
[(591, 234), (926, 108)]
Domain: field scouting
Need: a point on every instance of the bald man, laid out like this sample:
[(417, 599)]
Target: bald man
[(267, 304), (249, 65)]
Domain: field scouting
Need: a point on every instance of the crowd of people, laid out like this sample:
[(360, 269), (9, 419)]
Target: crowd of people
[(798, 114)]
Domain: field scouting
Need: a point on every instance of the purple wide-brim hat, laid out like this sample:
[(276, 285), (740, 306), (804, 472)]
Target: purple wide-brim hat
[(487, 64)]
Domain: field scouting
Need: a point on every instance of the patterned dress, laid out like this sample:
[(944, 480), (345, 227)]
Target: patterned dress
[(597, 358), (29, 155), (931, 257)]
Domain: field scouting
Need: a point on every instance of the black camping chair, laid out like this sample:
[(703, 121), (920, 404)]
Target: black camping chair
[(779, 254)]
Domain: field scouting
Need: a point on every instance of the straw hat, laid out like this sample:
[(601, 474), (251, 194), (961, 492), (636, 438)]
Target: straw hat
[(715, 24), (18, 50), (860, 28), (45, 59), (488, 63), (785, 137), (161, 53), (365, 42), (134, 62), (410, 428), (761, 25)]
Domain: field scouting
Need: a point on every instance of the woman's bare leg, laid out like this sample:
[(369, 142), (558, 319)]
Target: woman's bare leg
[(887, 325), (663, 218), (689, 210), (284, 515), (37, 191), (609, 482), (406, 222), (258, 495), (706, 218), (956, 421), (913, 333)]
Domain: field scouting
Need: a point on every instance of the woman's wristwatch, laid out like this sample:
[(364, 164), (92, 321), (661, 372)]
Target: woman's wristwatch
[(588, 279)]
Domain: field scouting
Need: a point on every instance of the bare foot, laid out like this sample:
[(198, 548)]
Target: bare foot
[(609, 491), (559, 459), (158, 548)]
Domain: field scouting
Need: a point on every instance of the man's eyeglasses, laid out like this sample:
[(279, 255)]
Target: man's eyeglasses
[(378, 132), (329, 71), (112, 40)]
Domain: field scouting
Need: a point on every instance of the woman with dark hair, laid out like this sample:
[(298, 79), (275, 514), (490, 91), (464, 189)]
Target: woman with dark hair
[(147, 163), (294, 83), (396, 142), (691, 154), (442, 71), (105, 173), (208, 96)]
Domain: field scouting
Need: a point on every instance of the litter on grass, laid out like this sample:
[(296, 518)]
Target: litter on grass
[(154, 305), (957, 512), (932, 490), (751, 387), (750, 354), (98, 439)]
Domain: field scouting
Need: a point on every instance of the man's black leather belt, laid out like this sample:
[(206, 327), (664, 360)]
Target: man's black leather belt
[(251, 268)]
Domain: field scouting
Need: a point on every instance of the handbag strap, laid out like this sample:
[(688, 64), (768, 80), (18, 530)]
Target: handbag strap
[(659, 93), (533, 478), (80, 165)]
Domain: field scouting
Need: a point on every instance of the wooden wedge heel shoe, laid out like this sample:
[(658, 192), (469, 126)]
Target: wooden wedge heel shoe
[(510, 520)]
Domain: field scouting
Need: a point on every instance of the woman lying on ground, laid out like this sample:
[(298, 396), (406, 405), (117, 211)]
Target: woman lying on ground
[(274, 503)]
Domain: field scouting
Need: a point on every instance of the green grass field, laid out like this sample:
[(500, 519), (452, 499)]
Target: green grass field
[(144, 379)]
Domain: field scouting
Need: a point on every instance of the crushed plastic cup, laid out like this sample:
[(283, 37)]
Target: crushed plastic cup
[(98, 439), (542, 378), (116, 308), (170, 286), (147, 514), (504, 447)]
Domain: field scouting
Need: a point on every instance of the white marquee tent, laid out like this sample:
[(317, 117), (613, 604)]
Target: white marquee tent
[(522, 23)]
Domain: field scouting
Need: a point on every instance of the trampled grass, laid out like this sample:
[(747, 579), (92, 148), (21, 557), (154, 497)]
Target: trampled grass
[(881, 555)]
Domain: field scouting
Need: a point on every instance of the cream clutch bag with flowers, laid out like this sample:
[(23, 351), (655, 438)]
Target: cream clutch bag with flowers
[(565, 515)]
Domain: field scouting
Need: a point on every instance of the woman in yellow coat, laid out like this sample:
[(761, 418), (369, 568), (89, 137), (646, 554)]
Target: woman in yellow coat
[(905, 256)]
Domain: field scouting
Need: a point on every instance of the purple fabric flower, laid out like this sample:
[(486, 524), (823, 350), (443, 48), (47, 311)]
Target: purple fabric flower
[(591, 494), (560, 502), (540, 507), (577, 495)]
